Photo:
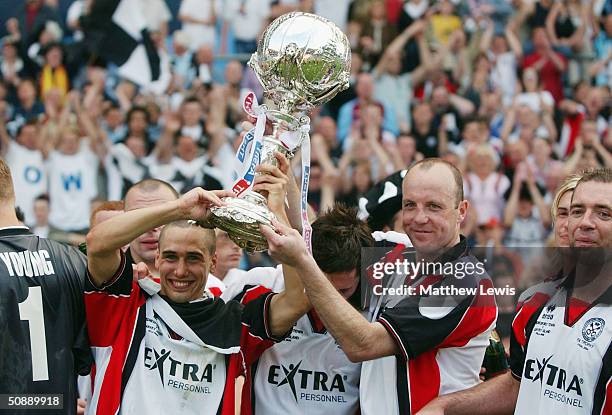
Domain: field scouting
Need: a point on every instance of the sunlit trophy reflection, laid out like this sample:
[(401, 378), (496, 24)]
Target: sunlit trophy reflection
[(302, 61)]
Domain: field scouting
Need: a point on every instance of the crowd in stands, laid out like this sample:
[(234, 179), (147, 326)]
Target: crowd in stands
[(516, 93)]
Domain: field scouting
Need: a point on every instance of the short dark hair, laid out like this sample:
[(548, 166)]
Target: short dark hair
[(151, 185), (135, 109), (337, 238), (31, 122), (428, 163), (601, 175), (187, 224), (191, 99)]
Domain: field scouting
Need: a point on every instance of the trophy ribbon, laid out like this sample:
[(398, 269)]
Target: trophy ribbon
[(249, 161), (302, 136)]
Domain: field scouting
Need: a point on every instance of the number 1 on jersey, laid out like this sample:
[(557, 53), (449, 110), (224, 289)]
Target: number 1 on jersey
[(32, 311)]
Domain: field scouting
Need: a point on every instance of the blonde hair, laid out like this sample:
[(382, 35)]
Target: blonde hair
[(568, 185), (482, 149)]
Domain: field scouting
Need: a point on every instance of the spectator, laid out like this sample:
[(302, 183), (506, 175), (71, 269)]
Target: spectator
[(532, 94), (12, 68), (406, 153), (542, 163), (72, 167), (424, 131), (248, 22), (526, 214), (28, 106), (41, 216), (180, 59), (54, 74), (25, 157), (549, 64), (350, 112), (32, 16), (376, 33), (566, 25), (201, 66), (113, 124), (503, 52), (483, 186), (444, 22), (602, 69), (198, 18), (396, 87), (77, 9)]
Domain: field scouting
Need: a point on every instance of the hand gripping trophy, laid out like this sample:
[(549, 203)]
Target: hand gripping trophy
[(302, 60)]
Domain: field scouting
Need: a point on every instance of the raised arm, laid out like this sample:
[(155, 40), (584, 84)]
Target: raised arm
[(419, 74), (105, 240), (358, 338), (511, 209), (487, 37), (514, 43), (397, 45), (551, 18), (288, 306), (537, 198)]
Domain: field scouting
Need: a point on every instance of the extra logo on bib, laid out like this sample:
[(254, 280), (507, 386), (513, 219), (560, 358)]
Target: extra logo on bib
[(556, 383), (308, 385)]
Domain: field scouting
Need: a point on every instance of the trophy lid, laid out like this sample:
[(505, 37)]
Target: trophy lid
[(302, 60)]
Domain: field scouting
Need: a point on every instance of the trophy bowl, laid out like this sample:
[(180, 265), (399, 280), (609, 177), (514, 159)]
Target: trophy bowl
[(302, 61)]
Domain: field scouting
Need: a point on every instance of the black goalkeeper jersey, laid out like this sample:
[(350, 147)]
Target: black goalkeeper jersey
[(42, 333)]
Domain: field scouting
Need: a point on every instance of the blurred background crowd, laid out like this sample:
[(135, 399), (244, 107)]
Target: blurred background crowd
[(516, 93)]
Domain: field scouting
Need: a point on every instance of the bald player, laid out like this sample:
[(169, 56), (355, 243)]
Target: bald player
[(429, 345), (147, 193)]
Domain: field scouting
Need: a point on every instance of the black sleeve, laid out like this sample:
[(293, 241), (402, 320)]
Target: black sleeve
[(419, 323), (256, 316), (416, 333), (119, 284)]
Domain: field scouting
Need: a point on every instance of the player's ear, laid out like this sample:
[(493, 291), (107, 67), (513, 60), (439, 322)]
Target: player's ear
[(213, 264), (464, 205)]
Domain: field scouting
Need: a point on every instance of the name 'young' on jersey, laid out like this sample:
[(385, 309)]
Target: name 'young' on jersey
[(43, 342)]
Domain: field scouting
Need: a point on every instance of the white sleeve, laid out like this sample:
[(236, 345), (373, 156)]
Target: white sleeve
[(268, 277)]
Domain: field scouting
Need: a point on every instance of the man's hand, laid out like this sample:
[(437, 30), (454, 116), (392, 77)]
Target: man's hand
[(285, 245), (81, 406), (141, 271), (196, 203), (274, 182), (431, 410)]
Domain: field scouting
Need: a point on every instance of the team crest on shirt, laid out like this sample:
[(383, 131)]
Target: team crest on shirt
[(593, 328)]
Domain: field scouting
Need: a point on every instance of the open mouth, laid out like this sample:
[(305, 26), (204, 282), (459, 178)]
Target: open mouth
[(180, 285)]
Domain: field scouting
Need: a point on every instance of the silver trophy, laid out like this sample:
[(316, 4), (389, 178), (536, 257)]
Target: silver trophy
[(302, 60)]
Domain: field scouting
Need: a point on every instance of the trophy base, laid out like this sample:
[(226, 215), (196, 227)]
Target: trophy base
[(241, 218)]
